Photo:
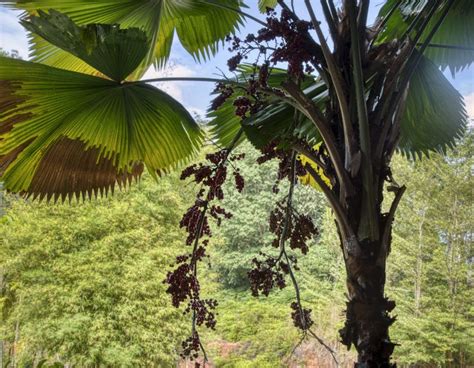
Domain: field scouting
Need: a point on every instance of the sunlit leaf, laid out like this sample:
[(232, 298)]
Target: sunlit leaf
[(52, 116), (264, 4), (200, 26)]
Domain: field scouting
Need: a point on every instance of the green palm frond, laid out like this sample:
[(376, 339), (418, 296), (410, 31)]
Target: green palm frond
[(276, 121), (435, 114), (112, 51), (63, 132), (199, 25), (452, 44)]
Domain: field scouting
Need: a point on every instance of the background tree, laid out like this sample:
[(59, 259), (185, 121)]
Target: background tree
[(375, 92), (83, 283), (247, 233), (433, 251)]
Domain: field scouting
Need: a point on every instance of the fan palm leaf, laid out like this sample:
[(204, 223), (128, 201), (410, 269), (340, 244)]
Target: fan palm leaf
[(200, 26), (452, 44), (64, 132)]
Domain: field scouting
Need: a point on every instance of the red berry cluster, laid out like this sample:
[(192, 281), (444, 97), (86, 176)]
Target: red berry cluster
[(191, 347), (239, 181), (287, 225), (183, 284), (223, 93), (283, 39), (266, 275), (301, 316), (302, 230), (272, 151)]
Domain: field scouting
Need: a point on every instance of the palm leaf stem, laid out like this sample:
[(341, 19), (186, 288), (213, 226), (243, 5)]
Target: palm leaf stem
[(211, 80), (307, 106), (333, 9), (364, 131), (420, 16), (362, 16), (452, 47), (330, 20), (304, 151), (385, 19), (338, 86), (425, 23), (346, 229)]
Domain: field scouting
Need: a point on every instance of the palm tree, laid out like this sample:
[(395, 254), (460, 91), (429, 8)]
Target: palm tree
[(76, 120)]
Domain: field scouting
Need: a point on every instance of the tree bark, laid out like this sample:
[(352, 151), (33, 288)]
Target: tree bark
[(368, 309), (367, 314)]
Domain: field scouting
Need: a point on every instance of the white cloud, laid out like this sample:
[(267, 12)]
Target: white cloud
[(174, 89), (469, 101), (197, 112), (12, 34)]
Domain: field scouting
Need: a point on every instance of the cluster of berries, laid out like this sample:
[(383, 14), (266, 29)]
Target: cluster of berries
[(282, 40), (265, 275), (299, 228), (301, 316), (183, 284)]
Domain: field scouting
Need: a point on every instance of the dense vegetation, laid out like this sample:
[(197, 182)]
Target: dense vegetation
[(82, 282)]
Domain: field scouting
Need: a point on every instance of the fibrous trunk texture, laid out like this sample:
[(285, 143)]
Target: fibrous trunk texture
[(367, 314), (368, 309)]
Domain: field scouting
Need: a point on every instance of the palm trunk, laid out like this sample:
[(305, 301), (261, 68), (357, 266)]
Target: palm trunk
[(368, 309), (367, 315)]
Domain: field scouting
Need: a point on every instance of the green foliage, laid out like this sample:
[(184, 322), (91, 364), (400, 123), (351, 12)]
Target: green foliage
[(432, 252), (246, 234), (276, 120), (435, 114), (198, 25), (123, 126), (264, 4), (110, 50), (456, 30), (84, 281)]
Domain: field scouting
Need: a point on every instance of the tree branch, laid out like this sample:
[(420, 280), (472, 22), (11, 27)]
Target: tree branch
[(388, 224), (330, 20)]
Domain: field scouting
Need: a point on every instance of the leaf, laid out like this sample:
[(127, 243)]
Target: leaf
[(264, 4), (110, 50), (200, 25), (89, 130), (275, 121), (308, 179), (435, 114), (456, 30)]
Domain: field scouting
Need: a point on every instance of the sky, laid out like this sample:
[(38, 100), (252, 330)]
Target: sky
[(195, 96)]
